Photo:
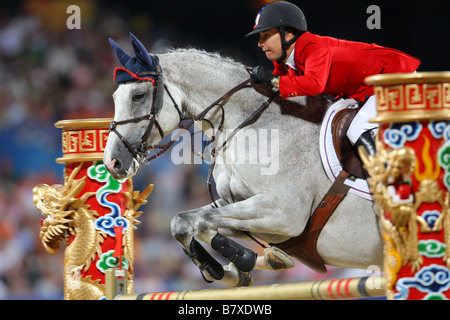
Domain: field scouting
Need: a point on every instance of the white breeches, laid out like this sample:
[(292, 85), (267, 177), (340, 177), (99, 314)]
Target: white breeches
[(360, 123)]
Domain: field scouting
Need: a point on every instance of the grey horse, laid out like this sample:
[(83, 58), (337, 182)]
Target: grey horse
[(269, 176)]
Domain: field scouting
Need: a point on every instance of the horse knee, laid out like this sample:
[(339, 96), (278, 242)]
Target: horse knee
[(181, 229)]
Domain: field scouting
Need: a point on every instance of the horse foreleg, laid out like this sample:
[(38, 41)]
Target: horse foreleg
[(255, 214), (246, 260), (184, 232), (242, 257), (210, 268)]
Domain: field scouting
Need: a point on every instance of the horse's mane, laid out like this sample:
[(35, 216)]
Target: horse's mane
[(296, 107), (211, 55)]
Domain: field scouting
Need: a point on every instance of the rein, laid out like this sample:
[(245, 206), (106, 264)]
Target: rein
[(250, 120), (199, 117)]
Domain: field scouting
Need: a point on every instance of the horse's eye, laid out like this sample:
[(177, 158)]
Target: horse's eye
[(138, 97)]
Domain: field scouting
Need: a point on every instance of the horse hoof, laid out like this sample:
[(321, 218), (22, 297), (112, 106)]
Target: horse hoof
[(277, 259), (245, 279)]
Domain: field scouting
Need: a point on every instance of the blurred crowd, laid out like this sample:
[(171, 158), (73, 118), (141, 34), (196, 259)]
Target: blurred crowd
[(47, 75)]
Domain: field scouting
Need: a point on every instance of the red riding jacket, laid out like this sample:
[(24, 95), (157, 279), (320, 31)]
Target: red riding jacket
[(327, 65)]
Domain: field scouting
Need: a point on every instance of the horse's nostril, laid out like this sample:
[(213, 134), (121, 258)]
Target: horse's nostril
[(118, 166)]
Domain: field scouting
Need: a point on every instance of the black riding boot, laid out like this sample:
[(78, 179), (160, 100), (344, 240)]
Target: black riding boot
[(367, 141)]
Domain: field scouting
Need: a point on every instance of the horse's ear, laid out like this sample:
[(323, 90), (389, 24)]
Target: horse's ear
[(120, 53), (140, 51)]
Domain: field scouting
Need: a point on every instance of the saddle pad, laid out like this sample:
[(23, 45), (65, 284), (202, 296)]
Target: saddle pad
[(330, 160)]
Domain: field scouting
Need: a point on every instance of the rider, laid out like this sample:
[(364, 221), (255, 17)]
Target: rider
[(307, 64)]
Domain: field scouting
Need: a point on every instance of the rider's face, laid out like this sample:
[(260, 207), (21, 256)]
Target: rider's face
[(270, 43)]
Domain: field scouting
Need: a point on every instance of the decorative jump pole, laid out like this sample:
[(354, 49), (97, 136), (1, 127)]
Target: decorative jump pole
[(92, 213), (334, 289), (410, 180)]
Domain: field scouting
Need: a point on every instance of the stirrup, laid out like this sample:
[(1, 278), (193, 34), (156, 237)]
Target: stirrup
[(367, 141)]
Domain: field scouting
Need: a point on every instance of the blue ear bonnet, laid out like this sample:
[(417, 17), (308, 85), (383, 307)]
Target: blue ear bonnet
[(142, 66)]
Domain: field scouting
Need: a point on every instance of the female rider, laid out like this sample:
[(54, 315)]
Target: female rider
[(307, 64)]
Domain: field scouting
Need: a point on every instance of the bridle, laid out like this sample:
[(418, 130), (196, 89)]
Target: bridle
[(158, 98), (143, 150)]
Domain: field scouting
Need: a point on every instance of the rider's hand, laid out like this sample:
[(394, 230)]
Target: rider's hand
[(262, 75)]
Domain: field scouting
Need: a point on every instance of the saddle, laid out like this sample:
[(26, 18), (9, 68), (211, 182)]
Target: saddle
[(304, 246), (349, 159)]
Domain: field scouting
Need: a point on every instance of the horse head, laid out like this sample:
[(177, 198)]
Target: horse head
[(138, 101)]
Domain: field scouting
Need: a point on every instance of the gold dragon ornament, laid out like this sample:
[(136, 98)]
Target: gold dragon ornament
[(390, 177), (69, 219)]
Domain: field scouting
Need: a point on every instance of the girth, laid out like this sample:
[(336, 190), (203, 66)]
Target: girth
[(304, 246)]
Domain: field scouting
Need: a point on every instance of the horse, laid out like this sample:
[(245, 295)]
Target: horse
[(257, 200)]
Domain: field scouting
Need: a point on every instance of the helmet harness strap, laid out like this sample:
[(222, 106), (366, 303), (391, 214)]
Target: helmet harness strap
[(285, 44)]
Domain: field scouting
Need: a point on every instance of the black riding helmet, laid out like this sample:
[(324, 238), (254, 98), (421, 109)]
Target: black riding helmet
[(280, 14)]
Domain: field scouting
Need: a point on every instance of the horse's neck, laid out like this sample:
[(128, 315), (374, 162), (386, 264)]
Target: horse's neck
[(200, 79)]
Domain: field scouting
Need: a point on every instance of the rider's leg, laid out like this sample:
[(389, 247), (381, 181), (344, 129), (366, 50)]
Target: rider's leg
[(361, 132)]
